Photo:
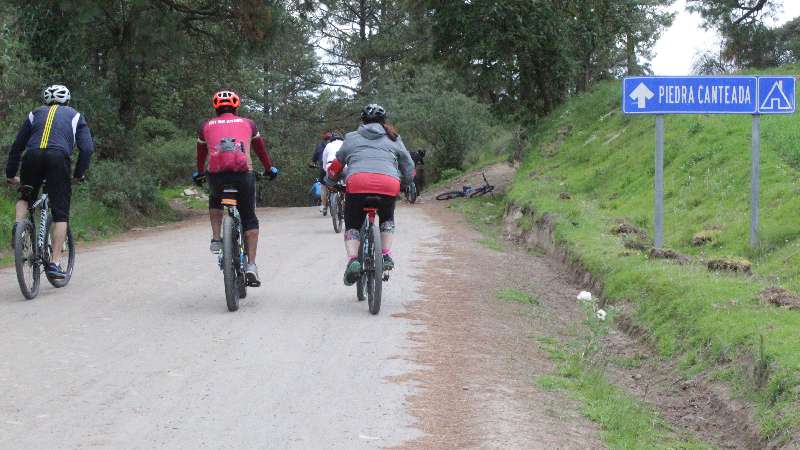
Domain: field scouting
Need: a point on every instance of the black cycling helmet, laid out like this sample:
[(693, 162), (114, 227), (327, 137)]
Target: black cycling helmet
[(373, 113), (336, 136)]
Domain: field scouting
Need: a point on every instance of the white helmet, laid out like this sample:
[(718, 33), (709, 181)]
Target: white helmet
[(56, 94)]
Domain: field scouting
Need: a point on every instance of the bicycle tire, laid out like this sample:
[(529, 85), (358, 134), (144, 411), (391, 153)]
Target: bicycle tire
[(360, 284), (375, 273), (482, 191), (336, 216), (450, 195), (230, 259), (411, 195), (26, 257), (70, 244)]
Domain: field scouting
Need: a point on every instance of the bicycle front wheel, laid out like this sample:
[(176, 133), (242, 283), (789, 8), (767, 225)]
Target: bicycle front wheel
[(336, 213), (482, 191), (374, 272), (67, 260), (230, 261), (28, 268)]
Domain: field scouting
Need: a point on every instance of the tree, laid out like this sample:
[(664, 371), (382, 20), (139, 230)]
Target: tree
[(747, 41)]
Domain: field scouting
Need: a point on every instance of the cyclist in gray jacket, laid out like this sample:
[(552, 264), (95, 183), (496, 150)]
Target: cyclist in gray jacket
[(377, 164)]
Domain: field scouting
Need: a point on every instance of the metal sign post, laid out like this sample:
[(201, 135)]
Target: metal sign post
[(754, 179), (659, 213), (755, 95)]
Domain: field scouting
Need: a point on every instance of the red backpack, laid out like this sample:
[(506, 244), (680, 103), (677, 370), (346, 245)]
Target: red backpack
[(228, 138)]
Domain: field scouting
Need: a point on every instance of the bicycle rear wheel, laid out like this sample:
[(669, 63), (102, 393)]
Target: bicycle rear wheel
[(411, 195), (374, 272), (230, 261), (28, 268), (67, 261), (449, 195), (482, 191), (336, 213), (361, 283)]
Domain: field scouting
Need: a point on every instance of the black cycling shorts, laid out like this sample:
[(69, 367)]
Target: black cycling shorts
[(245, 182), (54, 166), (354, 208)]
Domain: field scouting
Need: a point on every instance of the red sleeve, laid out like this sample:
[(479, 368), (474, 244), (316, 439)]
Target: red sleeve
[(202, 154), (261, 150), (335, 169)]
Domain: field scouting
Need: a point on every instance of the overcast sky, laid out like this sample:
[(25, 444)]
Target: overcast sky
[(678, 46)]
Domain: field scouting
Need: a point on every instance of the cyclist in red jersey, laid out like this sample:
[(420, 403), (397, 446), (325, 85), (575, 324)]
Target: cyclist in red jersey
[(226, 141), (377, 164)]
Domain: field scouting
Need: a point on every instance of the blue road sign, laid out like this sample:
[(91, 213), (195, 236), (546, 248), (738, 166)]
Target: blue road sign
[(690, 95), (776, 95)]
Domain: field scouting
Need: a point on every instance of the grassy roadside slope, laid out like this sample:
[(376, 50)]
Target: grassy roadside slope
[(711, 321)]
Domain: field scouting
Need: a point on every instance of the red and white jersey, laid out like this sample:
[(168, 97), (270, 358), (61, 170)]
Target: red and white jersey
[(224, 134)]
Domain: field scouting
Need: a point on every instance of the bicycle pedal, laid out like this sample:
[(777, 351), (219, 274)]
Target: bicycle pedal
[(386, 276)]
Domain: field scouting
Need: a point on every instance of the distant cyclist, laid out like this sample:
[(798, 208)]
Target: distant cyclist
[(329, 154), (44, 143), (317, 161), (226, 141), (377, 163)]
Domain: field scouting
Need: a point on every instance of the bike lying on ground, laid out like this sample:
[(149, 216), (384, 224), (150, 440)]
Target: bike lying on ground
[(468, 191), (33, 247), (370, 255)]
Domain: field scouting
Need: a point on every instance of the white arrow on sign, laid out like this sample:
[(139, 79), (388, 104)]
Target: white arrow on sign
[(641, 94)]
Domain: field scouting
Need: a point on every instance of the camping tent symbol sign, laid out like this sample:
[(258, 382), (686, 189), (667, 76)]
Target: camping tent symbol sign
[(776, 95)]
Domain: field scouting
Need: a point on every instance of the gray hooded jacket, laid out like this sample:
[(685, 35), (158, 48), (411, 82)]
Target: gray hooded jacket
[(369, 150)]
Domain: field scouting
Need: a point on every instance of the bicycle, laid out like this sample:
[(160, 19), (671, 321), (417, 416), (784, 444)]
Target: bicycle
[(370, 255), (468, 191), (33, 247), (336, 205), (233, 259)]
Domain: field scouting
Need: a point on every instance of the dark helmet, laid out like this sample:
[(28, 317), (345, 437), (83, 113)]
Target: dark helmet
[(336, 136), (373, 113)]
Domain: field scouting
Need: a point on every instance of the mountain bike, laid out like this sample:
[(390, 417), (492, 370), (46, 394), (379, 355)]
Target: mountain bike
[(336, 206), (370, 255), (233, 259), (33, 246), (468, 191)]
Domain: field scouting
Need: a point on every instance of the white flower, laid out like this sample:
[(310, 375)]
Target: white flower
[(601, 314), (585, 296)]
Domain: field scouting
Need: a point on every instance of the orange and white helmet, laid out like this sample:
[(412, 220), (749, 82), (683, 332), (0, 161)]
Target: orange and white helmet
[(225, 98)]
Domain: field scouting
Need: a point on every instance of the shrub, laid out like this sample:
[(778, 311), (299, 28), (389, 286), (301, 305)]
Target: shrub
[(450, 123), (124, 187), (168, 162)]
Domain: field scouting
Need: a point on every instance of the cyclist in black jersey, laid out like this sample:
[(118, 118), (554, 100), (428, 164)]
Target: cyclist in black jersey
[(44, 145)]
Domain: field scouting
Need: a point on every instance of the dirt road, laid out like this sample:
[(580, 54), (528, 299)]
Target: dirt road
[(139, 350)]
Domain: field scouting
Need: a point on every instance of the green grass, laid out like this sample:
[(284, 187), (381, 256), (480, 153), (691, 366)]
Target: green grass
[(516, 296), (485, 214), (709, 320), (625, 421)]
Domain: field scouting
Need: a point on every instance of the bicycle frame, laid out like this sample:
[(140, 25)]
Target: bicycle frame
[(41, 235)]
